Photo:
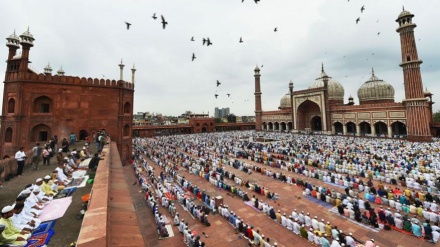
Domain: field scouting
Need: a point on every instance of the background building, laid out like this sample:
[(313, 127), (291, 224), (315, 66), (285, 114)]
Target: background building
[(37, 106), (221, 113)]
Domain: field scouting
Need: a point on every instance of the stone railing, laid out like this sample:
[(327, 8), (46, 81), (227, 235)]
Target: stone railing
[(10, 165)]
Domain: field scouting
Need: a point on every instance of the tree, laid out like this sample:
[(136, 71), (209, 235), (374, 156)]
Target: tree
[(436, 116), (218, 120), (232, 118)]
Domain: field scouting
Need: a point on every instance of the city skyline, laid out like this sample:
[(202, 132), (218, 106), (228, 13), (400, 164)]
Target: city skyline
[(167, 81)]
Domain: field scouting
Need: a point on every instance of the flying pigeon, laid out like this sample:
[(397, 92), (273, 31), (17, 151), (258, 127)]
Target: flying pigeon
[(378, 33), (128, 25), (209, 42), (193, 57), (192, 38), (204, 41), (216, 95), (276, 29), (241, 40), (256, 1), (228, 94), (154, 16), (218, 83), (357, 20), (164, 23), (362, 9)]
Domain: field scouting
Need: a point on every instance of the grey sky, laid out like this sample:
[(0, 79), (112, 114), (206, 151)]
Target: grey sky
[(89, 38)]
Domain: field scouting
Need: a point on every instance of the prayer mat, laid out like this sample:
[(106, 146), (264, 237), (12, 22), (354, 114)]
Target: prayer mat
[(251, 204), (40, 239), (44, 227), (79, 182), (335, 211), (315, 200), (170, 231), (55, 209), (336, 185)]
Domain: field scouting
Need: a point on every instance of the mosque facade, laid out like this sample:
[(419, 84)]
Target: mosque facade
[(321, 109), (37, 106)]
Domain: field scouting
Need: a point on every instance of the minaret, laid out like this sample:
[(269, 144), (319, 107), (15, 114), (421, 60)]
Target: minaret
[(121, 66), (13, 44), (415, 102), (60, 72), (27, 41), (326, 124), (257, 93), (48, 69), (291, 102), (133, 70)]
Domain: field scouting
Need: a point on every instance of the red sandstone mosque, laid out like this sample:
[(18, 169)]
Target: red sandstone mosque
[(37, 106), (321, 108)]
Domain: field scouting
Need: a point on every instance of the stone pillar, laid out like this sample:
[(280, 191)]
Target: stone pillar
[(358, 129), (333, 129), (344, 129), (373, 130), (390, 131)]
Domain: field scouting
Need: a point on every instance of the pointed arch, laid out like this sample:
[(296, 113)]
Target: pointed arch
[(305, 112), (11, 105), (40, 133), (126, 130), (8, 134), (127, 108), (42, 104)]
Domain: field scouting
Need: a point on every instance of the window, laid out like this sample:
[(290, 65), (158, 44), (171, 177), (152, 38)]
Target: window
[(42, 104), (42, 136), (126, 131), (8, 135), (11, 105), (408, 58), (127, 108)]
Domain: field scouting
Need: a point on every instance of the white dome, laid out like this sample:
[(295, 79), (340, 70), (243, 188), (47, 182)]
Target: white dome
[(285, 101), (335, 89), (375, 89)]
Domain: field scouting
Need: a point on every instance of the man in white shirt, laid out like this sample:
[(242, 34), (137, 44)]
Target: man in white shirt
[(20, 156)]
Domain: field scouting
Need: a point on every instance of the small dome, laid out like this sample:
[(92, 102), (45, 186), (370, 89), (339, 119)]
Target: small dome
[(427, 92), (335, 89), (405, 13), (375, 89), (285, 101), (60, 71), (27, 37), (14, 36), (13, 39)]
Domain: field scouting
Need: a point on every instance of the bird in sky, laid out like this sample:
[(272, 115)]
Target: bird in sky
[(216, 95), (378, 33), (242, 1), (164, 23), (128, 25), (154, 16), (103, 76), (208, 42), (276, 29), (204, 41), (228, 94), (193, 57), (358, 20), (363, 8), (256, 1), (241, 40), (192, 38), (218, 83), (261, 66)]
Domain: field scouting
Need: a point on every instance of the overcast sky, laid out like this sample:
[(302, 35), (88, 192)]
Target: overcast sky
[(89, 38)]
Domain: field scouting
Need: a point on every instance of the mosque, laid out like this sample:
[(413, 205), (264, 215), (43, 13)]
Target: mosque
[(321, 109)]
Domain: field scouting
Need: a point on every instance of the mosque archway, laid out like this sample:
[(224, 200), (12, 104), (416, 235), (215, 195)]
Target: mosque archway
[(305, 112), (40, 133), (289, 126), (83, 134), (381, 129), (316, 123), (365, 128), (270, 126), (351, 128), (283, 126), (276, 126), (204, 128), (338, 128), (264, 126), (398, 129)]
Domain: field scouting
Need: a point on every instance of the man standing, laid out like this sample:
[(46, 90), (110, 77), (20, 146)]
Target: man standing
[(20, 156), (36, 155)]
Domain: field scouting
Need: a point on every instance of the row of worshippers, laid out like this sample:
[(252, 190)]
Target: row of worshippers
[(224, 210), (20, 219)]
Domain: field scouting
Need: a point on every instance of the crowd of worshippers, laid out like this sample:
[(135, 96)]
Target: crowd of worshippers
[(216, 177), (20, 219)]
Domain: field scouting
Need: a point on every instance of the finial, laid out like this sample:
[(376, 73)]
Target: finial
[(322, 67), (403, 7), (133, 66), (372, 71)]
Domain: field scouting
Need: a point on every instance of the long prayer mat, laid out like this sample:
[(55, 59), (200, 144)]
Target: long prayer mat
[(40, 239), (335, 211), (336, 185), (55, 209), (250, 204), (316, 201), (44, 227), (79, 182)]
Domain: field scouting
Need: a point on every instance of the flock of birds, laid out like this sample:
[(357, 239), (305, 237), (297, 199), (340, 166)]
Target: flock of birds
[(206, 41)]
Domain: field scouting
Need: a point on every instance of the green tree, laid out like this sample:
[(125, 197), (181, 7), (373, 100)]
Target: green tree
[(436, 117), (218, 120)]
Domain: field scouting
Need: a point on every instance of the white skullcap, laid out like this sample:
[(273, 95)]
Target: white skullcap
[(38, 180), (47, 177), (7, 209)]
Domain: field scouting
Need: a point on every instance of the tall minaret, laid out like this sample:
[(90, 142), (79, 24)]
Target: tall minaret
[(121, 66), (257, 93), (415, 102), (27, 41)]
